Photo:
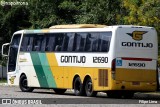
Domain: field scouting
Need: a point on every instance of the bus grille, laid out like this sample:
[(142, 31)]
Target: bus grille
[(103, 77)]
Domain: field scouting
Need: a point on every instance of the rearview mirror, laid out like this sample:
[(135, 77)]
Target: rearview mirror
[(5, 48)]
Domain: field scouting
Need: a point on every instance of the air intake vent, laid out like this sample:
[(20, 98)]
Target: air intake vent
[(103, 77)]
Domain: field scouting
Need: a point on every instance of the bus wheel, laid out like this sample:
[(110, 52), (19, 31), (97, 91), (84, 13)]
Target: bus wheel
[(23, 84), (59, 91), (128, 95), (89, 88), (78, 87)]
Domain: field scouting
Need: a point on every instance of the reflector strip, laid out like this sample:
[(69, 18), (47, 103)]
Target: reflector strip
[(137, 59)]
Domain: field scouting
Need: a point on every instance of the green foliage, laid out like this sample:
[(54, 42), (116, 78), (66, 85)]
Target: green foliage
[(143, 12), (99, 12)]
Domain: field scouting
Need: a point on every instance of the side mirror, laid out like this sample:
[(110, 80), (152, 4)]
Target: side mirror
[(3, 47)]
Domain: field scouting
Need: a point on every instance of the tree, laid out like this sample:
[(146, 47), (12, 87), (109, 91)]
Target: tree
[(143, 12), (99, 12)]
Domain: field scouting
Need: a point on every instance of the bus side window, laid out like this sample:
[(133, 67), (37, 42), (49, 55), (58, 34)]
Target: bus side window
[(104, 46), (37, 43), (88, 45), (50, 43), (71, 43), (43, 44), (30, 43), (24, 43), (58, 41), (94, 42), (77, 42), (65, 42), (83, 41), (105, 41)]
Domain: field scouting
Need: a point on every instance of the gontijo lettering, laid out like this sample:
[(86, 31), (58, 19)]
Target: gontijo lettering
[(73, 59), (137, 44)]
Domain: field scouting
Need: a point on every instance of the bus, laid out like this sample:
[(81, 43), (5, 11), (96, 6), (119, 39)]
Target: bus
[(88, 58)]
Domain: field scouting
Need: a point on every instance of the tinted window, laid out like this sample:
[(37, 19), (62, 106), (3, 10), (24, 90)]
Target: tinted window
[(27, 43), (13, 52), (50, 43), (105, 41), (37, 42), (69, 42), (59, 41)]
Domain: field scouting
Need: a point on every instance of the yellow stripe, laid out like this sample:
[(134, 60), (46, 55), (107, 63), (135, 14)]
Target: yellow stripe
[(57, 72), (45, 30), (52, 59)]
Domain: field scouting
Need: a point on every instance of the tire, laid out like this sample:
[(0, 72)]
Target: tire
[(23, 84), (59, 91), (78, 87), (89, 88)]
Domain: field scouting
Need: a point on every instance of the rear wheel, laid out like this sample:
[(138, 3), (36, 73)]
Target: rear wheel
[(23, 84), (78, 87), (59, 91), (89, 88)]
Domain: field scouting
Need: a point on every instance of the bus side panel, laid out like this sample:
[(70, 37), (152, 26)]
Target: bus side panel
[(37, 69), (64, 69), (47, 72), (26, 67)]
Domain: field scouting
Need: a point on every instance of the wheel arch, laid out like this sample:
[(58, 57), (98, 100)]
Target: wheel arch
[(22, 74)]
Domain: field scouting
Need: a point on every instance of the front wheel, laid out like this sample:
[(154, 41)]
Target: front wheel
[(89, 88), (23, 84)]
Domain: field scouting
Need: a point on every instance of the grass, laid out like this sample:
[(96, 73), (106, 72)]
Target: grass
[(3, 80)]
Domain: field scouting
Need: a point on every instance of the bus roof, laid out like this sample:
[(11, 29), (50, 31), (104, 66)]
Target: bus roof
[(79, 28), (75, 26)]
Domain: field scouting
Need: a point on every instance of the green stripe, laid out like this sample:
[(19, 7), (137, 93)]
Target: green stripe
[(47, 70), (39, 70)]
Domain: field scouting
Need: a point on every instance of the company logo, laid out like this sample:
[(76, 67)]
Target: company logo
[(12, 79), (6, 101), (137, 35)]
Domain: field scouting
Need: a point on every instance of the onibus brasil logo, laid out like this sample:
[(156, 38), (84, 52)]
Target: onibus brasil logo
[(137, 35)]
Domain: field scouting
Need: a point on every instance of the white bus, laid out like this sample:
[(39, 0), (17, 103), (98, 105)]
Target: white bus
[(119, 60)]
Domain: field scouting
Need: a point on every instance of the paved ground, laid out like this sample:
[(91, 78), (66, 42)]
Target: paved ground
[(48, 96)]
